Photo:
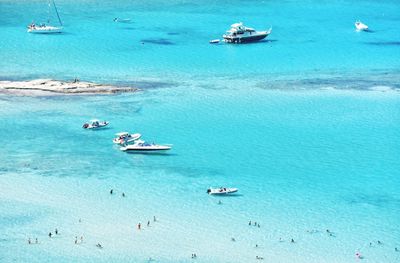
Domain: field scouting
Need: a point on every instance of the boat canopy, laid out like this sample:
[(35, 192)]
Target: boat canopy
[(122, 134), (237, 24)]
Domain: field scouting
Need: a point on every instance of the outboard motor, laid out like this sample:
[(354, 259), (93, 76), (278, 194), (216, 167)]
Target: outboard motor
[(208, 191)]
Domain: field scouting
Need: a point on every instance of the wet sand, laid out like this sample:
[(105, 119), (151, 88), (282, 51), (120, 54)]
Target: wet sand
[(48, 87)]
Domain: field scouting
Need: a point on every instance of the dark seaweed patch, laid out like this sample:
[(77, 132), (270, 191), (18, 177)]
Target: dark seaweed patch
[(158, 41), (384, 43)]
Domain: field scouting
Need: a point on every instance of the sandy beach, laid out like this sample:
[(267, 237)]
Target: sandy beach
[(48, 87)]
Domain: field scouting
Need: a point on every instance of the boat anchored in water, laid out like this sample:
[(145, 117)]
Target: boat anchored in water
[(242, 34), (122, 20), (125, 138), (221, 191), (142, 146), (95, 124), (42, 28), (361, 26)]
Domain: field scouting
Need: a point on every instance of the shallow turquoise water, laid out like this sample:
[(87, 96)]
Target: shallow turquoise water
[(302, 135), (311, 36), (302, 161)]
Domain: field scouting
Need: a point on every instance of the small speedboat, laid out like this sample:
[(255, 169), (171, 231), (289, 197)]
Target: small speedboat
[(95, 124), (122, 20), (221, 191), (125, 138), (214, 41), (360, 26), (142, 146)]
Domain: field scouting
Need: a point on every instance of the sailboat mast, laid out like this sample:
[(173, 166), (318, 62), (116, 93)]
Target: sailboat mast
[(55, 8)]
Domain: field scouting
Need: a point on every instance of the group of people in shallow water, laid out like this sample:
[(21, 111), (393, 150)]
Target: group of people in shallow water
[(139, 225), (112, 192), (194, 255), (255, 224)]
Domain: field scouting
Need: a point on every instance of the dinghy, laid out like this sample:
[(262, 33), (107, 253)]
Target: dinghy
[(360, 26)]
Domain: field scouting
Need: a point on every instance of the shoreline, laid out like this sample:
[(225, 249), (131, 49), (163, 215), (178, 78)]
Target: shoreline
[(51, 87)]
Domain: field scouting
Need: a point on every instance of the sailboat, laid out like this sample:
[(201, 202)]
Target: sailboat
[(46, 29)]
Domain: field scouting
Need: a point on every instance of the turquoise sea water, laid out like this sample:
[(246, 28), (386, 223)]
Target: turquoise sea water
[(298, 123)]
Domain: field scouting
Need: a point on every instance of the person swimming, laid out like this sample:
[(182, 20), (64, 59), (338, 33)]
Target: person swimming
[(29, 241), (50, 234), (123, 194), (111, 191), (99, 245), (292, 241)]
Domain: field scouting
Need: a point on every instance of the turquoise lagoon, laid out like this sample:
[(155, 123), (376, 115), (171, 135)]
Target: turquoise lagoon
[(306, 125)]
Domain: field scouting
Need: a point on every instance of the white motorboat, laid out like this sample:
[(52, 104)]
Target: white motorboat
[(360, 26), (221, 191), (46, 29), (125, 138), (242, 34), (214, 41), (95, 124), (142, 146), (122, 20)]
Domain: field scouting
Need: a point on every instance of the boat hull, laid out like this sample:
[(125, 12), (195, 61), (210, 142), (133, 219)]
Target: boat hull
[(91, 127), (135, 150), (246, 39), (49, 30)]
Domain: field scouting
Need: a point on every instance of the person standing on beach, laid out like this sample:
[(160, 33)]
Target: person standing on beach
[(36, 241), (148, 223), (50, 234), (111, 191), (29, 241), (76, 240), (154, 218), (138, 226), (56, 231)]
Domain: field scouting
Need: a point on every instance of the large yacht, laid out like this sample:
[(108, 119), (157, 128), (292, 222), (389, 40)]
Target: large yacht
[(242, 34)]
